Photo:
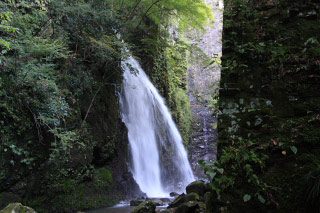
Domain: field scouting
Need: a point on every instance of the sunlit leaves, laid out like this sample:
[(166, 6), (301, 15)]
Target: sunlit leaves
[(246, 198), (5, 27), (187, 13), (261, 198), (294, 149)]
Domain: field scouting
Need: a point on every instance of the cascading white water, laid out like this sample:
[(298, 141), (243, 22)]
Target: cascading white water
[(159, 160)]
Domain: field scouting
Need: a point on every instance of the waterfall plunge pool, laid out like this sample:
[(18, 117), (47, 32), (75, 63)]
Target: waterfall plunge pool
[(122, 207)]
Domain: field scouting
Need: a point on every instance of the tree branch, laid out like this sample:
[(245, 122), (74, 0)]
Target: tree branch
[(134, 8), (94, 97), (145, 14)]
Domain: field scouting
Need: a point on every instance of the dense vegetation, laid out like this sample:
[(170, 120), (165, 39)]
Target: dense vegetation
[(63, 147), (268, 158), (60, 139)]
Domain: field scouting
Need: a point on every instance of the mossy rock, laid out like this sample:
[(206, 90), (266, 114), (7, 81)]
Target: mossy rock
[(146, 207), (199, 187), (17, 208), (183, 199), (135, 202), (189, 207)]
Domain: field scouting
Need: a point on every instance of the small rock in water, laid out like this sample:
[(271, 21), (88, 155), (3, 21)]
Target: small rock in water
[(174, 194), (166, 200), (157, 201), (166, 211)]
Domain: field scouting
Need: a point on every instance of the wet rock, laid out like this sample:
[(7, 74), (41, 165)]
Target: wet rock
[(129, 186), (156, 201), (183, 198), (203, 137), (165, 200), (145, 207), (199, 187), (135, 202), (174, 194), (17, 208), (166, 210), (189, 207)]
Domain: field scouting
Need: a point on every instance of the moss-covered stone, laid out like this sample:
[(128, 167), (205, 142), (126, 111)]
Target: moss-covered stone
[(145, 207), (188, 207), (183, 199), (199, 187)]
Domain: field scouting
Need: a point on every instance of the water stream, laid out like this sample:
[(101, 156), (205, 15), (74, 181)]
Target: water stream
[(159, 160)]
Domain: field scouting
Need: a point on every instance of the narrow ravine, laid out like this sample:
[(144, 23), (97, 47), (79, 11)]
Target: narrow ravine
[(203, 86)]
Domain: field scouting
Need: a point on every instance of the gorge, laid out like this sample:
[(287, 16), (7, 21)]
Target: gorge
[(85, 124)]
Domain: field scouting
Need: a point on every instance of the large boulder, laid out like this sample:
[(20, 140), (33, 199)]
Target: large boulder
[(183, 198), (189, 207), (145, 207), (17, 208), (157, 201), (135, 202), (199, 187)]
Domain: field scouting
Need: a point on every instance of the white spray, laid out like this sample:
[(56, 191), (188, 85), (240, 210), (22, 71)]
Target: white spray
[(159, 160)]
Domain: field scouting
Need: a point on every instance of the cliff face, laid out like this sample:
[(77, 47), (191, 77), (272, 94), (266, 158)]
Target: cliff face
[(269, 98), (203, 78)]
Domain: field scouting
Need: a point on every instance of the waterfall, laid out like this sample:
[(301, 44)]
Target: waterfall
[(159, 160)]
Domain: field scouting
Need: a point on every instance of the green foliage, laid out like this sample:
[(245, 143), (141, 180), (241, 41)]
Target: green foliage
[(177, 57), (104, 177), (56, 56), (246, 197), (186, 13), (238, 165), (170, 74), (312, 180), (269, 71), (5, 27)]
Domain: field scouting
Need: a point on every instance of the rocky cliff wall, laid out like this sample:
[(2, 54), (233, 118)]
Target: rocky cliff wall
[(203, 78)]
